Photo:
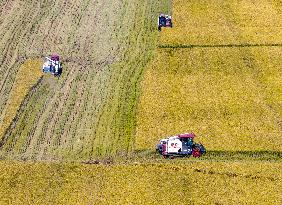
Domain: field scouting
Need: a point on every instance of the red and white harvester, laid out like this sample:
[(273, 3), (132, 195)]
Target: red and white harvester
[(180, 145)]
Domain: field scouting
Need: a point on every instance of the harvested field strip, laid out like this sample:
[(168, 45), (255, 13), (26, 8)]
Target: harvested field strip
[(90, 110), (217, 183), (27, 76), (14, 28)]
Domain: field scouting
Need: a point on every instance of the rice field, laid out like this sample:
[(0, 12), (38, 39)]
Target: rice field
[(27, 76), (88, 137), (227, 91), (90, 110), (188, 183), (220, 22), (228, 96)]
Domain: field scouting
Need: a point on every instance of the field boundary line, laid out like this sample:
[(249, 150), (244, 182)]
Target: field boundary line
[(180, 46)]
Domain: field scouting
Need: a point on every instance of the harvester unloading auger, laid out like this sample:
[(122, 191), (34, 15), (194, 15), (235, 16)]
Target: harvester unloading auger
[(52, 65), (181, 145)]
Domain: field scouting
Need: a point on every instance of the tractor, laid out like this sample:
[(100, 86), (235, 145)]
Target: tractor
[(164, 21), (52, 65), (181, 145)]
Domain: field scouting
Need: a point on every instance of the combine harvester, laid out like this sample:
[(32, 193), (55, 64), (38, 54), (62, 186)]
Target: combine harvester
[(180, 145), (164, 21), (52, 65)]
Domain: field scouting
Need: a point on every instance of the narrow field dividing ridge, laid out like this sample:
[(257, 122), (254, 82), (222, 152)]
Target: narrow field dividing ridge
[(220, 45)]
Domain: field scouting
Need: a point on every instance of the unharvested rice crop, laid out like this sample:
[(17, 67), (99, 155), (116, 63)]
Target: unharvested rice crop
[(225, 22), (229, 95), (27, 76), (189, 183)]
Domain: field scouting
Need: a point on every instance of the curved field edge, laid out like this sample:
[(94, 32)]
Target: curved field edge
[(216, 183), (27, 76), (90, 110), (227, 92)]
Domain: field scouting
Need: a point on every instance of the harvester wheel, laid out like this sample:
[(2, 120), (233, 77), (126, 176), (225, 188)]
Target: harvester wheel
[(196, 152), (201, 148)]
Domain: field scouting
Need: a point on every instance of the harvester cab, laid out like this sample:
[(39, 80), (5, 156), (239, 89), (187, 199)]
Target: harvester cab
[(52, 65), (180, 145), (164, 21)]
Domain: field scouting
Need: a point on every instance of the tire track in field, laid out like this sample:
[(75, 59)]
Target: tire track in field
[(108, 140), (69, 134)]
